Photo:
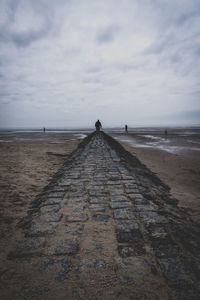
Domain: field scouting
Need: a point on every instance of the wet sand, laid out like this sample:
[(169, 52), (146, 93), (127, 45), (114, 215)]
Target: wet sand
[(175, 159)]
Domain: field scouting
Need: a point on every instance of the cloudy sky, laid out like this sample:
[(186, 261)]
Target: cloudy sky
[(69, 62)]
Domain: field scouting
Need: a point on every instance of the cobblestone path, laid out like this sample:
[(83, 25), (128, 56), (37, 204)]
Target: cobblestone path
[(105, 228)]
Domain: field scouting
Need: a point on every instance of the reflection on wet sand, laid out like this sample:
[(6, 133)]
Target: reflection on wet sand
[(173, 144), (53, 137)]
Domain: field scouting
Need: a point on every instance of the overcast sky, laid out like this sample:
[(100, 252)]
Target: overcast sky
[(68, 63)]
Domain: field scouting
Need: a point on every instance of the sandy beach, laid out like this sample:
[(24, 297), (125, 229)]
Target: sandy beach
[(26, 167), (29, 160)]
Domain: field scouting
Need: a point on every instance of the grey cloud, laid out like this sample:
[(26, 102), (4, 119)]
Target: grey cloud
[(176, 58), (158, 47), (5, 102), (94, 90), (86, 65), (189, 114), (4, 60), (197, 51), (107, 35), (92, 80), (94, 69), (9, 96), (186, 17), (10, 9), (128, 67), (195, 93), (175, 52), (26, 37), (2, 94)]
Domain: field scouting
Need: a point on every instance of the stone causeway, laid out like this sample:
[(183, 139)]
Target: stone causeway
[(106, 227)]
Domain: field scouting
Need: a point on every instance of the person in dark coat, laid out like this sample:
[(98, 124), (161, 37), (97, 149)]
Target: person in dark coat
[(98, 125)]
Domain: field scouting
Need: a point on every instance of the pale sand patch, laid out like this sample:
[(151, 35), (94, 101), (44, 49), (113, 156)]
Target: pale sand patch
[(25, 169)]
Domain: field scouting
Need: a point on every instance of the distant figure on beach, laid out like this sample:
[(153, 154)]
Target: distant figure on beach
[(126, 128), (98, 125), (165, 132), (44, 129)]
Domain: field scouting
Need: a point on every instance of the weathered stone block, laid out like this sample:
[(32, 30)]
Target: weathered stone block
[(118, 198), (131, 186), (147, 207), (132, 250), (27, 247), (126, 225), (50, 208), (134, 196), (51, 201), (114, 177), (58, 188), (100, 217), (140, 201), (116, 192), (129, 236), (97, 200), (157, 231), (123, 213), (150, 217), (97, 207), (113, 182), (64, 182), (50, 217), (41, 229), (120, 204), (75, 194), (97, 193), (72, 200), (76, 208), (56, 194), (132, 191), (66, 247), (127, 177)]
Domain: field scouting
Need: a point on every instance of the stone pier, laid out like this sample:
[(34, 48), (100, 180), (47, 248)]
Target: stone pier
[(105, 228)]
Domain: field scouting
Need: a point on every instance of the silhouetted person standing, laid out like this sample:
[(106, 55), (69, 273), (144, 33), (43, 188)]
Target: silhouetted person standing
[(126, 128), (44, 129), (165, 132), (98, 125)]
